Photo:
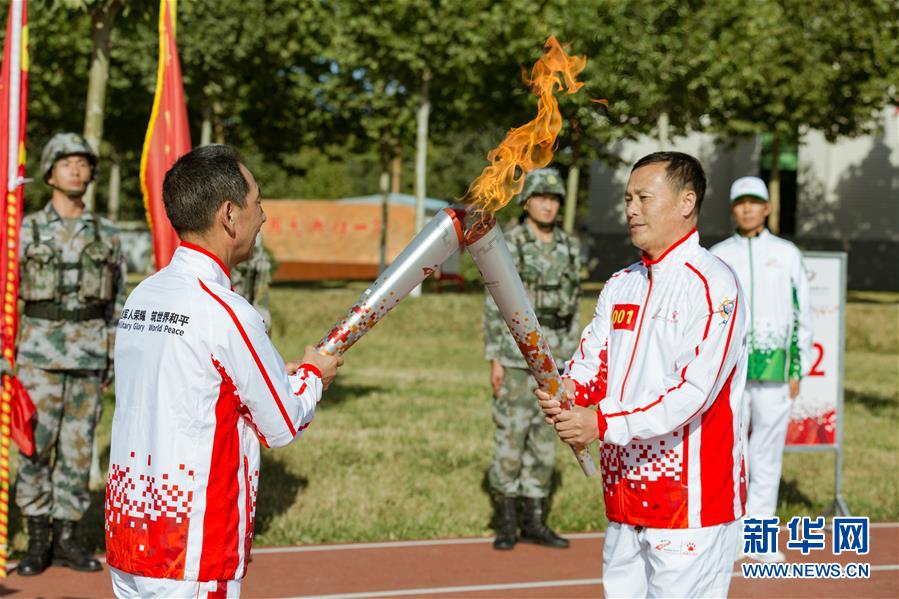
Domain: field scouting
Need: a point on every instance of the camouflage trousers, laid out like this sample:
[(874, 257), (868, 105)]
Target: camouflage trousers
[(525, 446), (54, 481)]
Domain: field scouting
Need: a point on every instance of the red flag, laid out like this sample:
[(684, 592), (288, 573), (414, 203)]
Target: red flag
[(16, 405), (168, 135)]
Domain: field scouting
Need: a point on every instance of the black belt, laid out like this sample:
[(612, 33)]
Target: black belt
[(553, 321), (55, 311)]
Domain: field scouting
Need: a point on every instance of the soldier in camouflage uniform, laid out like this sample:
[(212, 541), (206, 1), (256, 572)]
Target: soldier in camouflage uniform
[(72, 280), (252, 278), (548, 260)]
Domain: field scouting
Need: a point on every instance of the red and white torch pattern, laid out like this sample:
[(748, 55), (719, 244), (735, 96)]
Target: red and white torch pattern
[(437, 241), (488, 249)]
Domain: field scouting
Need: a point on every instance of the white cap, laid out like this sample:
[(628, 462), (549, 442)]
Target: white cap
[(749, 186)]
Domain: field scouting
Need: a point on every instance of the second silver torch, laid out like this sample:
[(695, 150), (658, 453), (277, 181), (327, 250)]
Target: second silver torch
[(487, 246)]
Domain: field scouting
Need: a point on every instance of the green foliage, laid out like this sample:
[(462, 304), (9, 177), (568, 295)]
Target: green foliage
[(320, 96), (781, 66)]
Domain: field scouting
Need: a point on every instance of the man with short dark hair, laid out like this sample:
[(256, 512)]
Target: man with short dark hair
[(200, 386), (662, 368)]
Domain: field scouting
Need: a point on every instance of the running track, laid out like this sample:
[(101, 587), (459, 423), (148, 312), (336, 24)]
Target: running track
[(470, 568)]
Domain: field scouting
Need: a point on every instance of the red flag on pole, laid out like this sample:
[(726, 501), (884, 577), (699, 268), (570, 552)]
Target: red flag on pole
[(168, 135), (16, 409)]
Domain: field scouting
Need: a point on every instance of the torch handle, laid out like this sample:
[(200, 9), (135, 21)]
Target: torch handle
[(581, 454)]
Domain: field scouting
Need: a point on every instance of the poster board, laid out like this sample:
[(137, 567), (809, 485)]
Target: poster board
[(816, 416)]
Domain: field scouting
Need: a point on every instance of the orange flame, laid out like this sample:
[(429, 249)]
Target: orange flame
[(531, 145)]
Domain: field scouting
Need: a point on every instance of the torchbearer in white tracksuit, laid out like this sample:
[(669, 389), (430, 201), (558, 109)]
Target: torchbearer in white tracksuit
[(200, 387), (771, 272), (662, 366)]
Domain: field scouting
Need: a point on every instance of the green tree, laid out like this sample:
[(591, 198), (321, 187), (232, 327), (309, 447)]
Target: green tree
[(781, 67), (638, 62)]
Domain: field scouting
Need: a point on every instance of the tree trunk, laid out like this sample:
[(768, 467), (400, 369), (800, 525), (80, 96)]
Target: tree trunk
[(385, 212), (664, 131), (396, 171), (102, 21), (574, 179), (421, 158), (218, 126), (774, 184), (115, 188), (206, 126)]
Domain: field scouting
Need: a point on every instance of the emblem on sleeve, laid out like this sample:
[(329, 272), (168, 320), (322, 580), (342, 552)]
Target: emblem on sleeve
[(726, 308)]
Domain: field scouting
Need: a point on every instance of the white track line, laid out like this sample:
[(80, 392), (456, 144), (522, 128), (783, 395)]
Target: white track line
[(512, 586), (437, 542), (429, 543), (461, 589), (401, 544)]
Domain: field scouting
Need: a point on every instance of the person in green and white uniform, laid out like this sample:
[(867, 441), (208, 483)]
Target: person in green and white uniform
[(772, 274)]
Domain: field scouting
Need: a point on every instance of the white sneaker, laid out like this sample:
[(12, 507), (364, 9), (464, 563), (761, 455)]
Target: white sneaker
[(768, 558)]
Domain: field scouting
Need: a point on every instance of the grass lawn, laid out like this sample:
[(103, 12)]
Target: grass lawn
[(402, 441)]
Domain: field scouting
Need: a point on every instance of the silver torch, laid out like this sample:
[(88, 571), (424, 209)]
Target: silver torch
[(487, 246), (436, 242)]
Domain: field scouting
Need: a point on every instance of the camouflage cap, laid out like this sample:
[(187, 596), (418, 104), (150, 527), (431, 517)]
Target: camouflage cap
[(67, 144), (542, 181)]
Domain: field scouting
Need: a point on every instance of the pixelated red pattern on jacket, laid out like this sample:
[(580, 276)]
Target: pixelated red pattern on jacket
[(147, 521), (252, 485), (644, 483), (594, 390)]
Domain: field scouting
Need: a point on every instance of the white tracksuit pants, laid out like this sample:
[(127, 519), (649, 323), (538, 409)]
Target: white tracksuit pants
[(769, 416), (130, 586), (669, 562)]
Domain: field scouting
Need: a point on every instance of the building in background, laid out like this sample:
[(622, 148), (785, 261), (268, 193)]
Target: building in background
[(835, 196)]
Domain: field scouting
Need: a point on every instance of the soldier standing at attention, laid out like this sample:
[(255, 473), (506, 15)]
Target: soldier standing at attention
[(72, 280), (548, 260)]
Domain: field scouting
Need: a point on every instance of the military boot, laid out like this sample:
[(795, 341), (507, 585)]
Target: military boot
[(38, 556), (67, 551), (506, 523), (534, 528)]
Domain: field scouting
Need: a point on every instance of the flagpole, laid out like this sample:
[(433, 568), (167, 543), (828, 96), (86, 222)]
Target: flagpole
[(14, 66)]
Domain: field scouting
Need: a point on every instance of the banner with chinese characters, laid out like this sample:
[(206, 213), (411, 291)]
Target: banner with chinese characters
[(322, 239), (814, 419)]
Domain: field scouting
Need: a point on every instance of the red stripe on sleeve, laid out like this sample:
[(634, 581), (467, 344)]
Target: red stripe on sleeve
[(708, 298), (311, 368), (256, 359)]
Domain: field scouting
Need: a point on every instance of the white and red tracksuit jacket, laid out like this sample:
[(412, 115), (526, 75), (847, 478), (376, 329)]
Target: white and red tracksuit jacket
[(665, 360), (198, 386)]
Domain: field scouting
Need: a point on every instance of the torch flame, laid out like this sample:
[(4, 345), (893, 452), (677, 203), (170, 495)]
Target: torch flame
[(531, 145)]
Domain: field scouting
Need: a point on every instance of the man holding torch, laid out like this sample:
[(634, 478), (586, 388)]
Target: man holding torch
[(548, 260), (200, 385), (658, 378)]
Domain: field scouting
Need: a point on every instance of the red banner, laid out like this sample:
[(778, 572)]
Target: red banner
[(168, 135), (16, 409)]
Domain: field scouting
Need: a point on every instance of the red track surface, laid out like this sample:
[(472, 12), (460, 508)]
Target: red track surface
[(471, 568)]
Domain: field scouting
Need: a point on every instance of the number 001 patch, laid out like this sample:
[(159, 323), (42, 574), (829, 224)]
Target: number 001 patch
[(624, 316)]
